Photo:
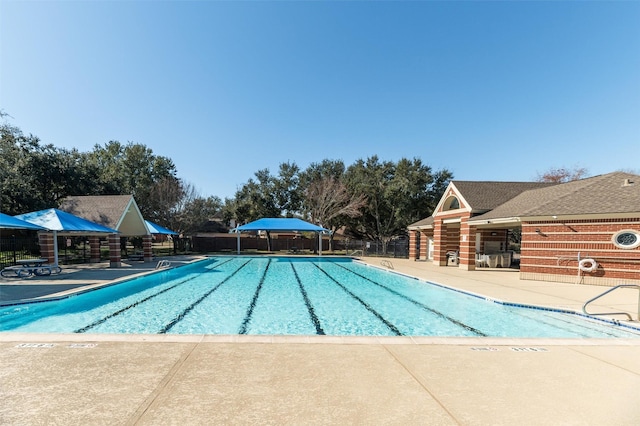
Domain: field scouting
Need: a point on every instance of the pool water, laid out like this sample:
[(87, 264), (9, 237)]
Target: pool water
[(293, 296)]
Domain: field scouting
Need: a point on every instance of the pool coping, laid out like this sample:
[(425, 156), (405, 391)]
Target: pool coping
[(439, 340), (314, 339)]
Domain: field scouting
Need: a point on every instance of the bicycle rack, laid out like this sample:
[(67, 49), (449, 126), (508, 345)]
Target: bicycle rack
[(387, 264), (584, 307), (163, 264)]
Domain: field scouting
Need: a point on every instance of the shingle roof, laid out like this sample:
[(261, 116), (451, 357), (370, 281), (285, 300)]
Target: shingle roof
[(603, 194), (106, 210), (485, 195), (424, 222)]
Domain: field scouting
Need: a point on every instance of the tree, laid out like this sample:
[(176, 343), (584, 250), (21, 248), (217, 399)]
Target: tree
[(562, 174), (167, 196), (397, 194), (35, 176), (255, 199), (327, 200), (330, 203), (132, 169), (286, 187)]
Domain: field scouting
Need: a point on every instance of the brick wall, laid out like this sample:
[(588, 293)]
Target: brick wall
[(551, 250)]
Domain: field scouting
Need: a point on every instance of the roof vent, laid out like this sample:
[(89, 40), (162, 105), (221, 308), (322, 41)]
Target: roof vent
[(628, 182)]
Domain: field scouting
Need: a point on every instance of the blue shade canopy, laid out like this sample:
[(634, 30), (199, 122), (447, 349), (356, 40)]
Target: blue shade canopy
[(280, 224), (10, 222), (57, 220), (154, 228)]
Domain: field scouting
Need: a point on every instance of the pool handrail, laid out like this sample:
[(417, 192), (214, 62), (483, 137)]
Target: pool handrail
[(584, 307)]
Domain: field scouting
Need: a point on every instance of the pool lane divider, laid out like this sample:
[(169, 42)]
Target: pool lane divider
[(363, 303), (133, 305), (252, 305), (189, 308), (415, 302), (307, 302)]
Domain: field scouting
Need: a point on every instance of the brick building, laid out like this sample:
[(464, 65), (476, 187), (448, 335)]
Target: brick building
[(584, 231)]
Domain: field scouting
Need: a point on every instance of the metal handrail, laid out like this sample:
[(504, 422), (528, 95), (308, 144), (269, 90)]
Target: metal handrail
[(584, 307), (353, 253)]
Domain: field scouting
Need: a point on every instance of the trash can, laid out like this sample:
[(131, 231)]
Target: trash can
[(505, 260), (492, 260)]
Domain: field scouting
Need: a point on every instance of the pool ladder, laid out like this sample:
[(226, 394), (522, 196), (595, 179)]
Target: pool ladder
[(584, 307), (163, 264)]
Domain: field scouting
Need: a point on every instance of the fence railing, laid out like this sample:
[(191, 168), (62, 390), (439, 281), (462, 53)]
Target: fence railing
[(18, 247), (398, 248)]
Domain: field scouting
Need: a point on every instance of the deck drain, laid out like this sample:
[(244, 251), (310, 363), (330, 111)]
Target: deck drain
[(82, 345)]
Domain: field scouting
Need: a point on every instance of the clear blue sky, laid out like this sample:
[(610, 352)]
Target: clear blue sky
[(499, 90)]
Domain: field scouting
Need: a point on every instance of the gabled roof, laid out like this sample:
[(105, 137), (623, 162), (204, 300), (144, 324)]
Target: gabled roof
[(115, 211), (487, 195), (610, 194)]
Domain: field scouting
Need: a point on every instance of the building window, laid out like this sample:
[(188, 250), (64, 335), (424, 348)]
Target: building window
[(452, 204), (626, 239)]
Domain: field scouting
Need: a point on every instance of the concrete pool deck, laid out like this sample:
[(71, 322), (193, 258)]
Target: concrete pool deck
[(163, 379)]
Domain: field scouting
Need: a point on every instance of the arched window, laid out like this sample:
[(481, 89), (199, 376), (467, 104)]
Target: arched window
[(451, 203)]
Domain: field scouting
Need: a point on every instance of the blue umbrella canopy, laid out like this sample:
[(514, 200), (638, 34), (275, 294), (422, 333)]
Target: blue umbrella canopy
[(10, 222), (63, 222), (280, 224), (154, 228)]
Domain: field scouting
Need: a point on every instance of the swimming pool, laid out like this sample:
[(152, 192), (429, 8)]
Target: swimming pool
[(293, 296)]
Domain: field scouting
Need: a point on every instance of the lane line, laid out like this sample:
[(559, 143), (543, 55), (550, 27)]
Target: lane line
[(133, 305), (252, 305), (305, 296), (365, 304), (415, 302), (197, 302)]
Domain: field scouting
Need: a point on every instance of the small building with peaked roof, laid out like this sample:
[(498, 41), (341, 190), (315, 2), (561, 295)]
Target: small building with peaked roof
[(584, 231), (119, 212)]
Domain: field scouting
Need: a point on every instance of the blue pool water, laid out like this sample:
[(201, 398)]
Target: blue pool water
[(282, 295)]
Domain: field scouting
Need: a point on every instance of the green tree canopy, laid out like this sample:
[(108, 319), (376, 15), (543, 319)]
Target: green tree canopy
[(397, 194)]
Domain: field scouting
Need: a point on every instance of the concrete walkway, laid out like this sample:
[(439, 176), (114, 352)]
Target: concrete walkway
[(198, 380)]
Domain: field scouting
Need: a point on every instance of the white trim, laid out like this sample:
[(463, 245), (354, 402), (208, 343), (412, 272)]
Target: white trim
[(497, 221), (455, 193), (452, 220), (614, 239)]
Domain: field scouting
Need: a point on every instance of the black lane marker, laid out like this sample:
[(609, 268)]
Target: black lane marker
[(247, 318), (312, 312), (365, 304), (133, 305), (197, 302), (415, 302)]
